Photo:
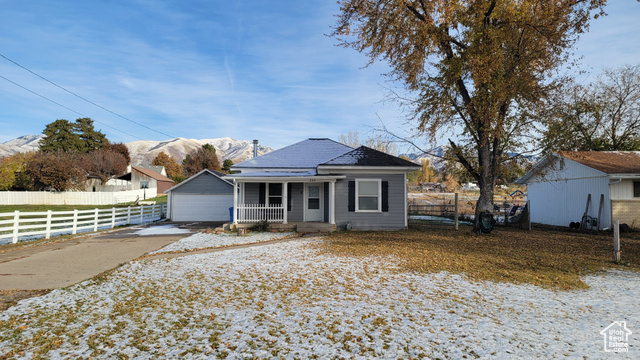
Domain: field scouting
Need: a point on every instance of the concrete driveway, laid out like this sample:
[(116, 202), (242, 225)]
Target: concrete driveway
[(64, 263)]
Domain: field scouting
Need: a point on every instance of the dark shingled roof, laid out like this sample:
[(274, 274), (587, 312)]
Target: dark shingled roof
[(365, 156), (304, 154), (609, 162)]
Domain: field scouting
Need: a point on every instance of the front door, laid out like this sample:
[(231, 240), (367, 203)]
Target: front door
[(313, 204)]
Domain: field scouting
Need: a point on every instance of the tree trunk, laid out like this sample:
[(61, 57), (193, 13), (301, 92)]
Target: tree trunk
[(486, 183)]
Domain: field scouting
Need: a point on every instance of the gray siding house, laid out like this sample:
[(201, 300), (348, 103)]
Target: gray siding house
[(320, 181)]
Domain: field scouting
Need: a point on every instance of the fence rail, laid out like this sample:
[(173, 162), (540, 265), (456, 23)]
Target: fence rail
[(19, 225), (253, 213)]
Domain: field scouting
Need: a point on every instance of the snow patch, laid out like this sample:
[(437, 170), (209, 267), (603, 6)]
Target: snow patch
[(203, 240), (162, 230)]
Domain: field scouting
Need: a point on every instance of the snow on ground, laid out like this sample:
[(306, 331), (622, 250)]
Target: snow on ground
[(288, 301), (203, 240), (161, 230)]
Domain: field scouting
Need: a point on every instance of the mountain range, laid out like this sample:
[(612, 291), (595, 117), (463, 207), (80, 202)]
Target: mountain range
[(435, 156), (143, 152)]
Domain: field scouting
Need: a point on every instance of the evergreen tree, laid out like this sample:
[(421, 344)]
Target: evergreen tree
[(62, 135)]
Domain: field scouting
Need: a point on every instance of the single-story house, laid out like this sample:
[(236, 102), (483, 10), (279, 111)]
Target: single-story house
[(322, 181), (205, 196), (144, 178), (559, 185)]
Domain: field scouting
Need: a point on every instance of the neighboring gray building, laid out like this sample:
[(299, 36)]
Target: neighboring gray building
[(323, 181), (205, 196), (559, 185)]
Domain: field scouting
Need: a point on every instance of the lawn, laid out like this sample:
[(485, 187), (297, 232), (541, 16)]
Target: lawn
[(354, 295), (552, 259), (40, 208)]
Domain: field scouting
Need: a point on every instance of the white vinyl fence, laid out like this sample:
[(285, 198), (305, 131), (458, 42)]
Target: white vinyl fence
[(19, 226), (75, 197)]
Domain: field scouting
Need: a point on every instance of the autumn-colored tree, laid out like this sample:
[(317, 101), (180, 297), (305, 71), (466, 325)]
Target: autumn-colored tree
[(103, 164), (200, 159), (602, 116), (121, 149), (472, 65), (378, 142), (12, 171), (170, 165), (55, 170)]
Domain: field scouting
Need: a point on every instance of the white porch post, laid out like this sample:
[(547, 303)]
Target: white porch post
[(285, 201), (332, 202), (235, 202)]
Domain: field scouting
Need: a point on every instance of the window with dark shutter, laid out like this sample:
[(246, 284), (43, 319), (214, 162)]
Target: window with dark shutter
[(385, 196), (352, 196), (636, 189), (262, 194)]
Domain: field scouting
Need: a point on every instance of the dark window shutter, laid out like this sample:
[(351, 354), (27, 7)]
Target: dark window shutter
[(289, 197), (385, 196), (262, 194), (636, 189), (352, 196)]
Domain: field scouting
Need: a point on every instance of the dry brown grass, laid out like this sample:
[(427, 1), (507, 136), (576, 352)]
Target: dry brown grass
[(8, 298), (548, 258)]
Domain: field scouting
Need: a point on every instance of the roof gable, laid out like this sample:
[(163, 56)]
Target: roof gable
[(609, 162), (150, 173), (217, 174), (305, 154), (605, 162), (365, 156)]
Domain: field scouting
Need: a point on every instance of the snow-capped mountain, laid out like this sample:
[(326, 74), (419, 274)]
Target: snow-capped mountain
[(22, 144), (434, 155), (144, 151)]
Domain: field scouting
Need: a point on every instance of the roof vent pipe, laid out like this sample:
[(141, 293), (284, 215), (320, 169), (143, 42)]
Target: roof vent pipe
[(255, 148)]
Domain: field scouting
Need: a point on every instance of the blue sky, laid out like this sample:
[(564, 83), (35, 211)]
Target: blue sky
[(207, 69)]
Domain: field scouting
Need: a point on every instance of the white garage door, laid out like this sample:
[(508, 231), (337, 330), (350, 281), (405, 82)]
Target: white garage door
[(189, 207)]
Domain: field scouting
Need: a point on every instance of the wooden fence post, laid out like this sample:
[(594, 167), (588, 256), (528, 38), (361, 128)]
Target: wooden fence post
[(74, 230), (48, 229), (455, 215), (113, 217), (16, 225), (153, 212), (141, 214), (128, 214), (616, 241), (95, 220)]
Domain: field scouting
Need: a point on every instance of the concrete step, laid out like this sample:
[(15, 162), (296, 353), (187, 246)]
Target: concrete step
[(315, 227)]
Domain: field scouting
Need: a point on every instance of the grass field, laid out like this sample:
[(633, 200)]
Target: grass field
[(548, 258)]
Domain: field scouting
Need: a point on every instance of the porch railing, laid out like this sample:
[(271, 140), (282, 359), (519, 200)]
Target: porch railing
[(253, 213)]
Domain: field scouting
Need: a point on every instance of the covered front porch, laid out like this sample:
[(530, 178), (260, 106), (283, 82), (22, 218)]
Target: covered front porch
[(284, 198)]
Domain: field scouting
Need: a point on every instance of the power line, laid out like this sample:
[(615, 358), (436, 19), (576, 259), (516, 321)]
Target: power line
[(66, 107), (85, 99)]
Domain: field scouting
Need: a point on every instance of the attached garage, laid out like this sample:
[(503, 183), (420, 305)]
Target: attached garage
[(191, 207), (205, 196)]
